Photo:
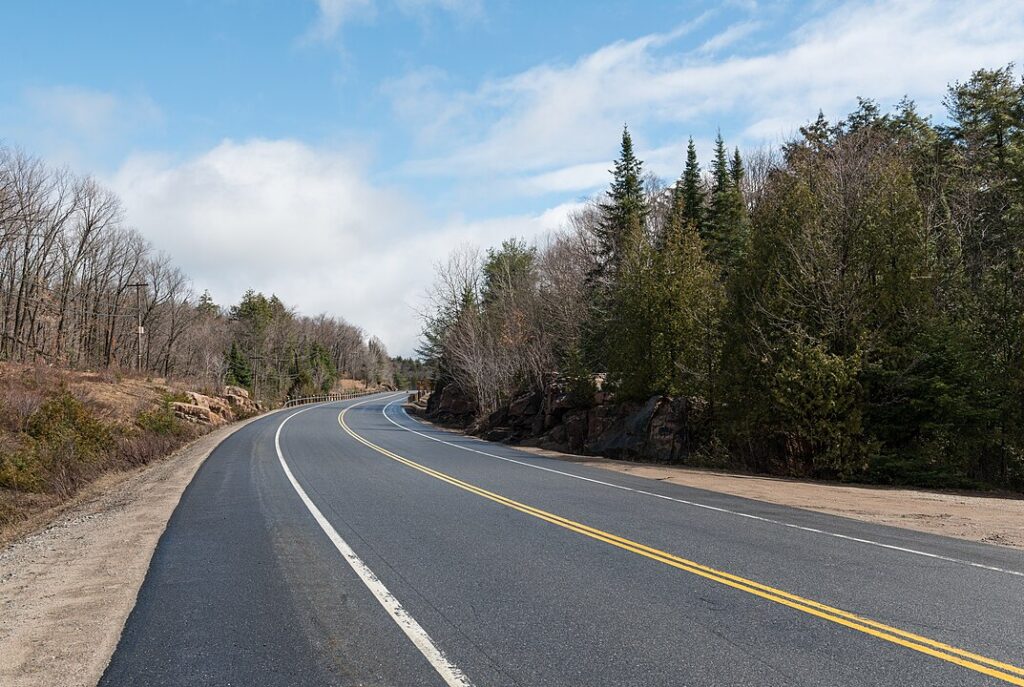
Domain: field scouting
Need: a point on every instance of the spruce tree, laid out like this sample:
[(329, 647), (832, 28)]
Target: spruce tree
[(625, 210), (238, 368), (736, 171), (720, 168), (206, 306), (617, 331), (726, 230), (687, 303), (692, 193)]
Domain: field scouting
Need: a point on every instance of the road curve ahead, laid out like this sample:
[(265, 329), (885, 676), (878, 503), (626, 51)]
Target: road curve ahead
[(347, 544)]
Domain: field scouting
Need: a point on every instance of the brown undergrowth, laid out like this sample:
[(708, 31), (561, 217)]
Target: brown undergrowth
[(60, 430)]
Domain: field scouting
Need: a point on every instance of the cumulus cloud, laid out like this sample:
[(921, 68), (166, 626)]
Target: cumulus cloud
[(305, 224), (561, 116)]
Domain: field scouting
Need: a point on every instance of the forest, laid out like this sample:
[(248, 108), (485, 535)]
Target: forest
[(77, 282), (848, 305)]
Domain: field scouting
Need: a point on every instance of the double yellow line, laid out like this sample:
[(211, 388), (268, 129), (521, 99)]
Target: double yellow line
[(1001, 671)]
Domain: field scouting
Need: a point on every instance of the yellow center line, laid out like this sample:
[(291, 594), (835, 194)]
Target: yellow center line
[(966, 659)]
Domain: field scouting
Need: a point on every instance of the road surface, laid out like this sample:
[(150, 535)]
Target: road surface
[(348, 544)]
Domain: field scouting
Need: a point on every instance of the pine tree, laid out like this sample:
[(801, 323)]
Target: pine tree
[(238, 368), (692, 193), (619, 335), (206, 306), (625, 211), (726, 230), (688, 301), (621, 238), (720, 168), (736, 171)]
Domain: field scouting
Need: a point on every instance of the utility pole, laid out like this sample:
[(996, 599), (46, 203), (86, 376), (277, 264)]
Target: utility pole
[(139, 331)]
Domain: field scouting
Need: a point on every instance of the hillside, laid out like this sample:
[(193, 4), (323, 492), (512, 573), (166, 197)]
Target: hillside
[(61, 429)]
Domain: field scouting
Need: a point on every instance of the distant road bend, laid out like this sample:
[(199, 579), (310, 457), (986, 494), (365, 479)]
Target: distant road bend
[(348, 544)]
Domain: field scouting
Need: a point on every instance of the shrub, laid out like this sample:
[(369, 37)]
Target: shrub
[(17, 404), (160, 420), (67, 446)]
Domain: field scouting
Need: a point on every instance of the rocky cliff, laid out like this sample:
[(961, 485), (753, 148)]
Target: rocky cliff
[(662, 429)]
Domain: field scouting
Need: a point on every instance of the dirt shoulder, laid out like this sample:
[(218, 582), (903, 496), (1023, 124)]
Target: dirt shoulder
[(66, 590), (988, 519)]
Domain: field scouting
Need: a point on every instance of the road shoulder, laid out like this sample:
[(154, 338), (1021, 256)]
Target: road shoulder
[(986, 519), (66, 590)]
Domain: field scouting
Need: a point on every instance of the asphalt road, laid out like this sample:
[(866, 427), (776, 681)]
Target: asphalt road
[(373, 550)]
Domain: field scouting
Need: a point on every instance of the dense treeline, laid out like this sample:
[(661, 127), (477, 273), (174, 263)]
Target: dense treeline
[(848, 306), (69, 270)]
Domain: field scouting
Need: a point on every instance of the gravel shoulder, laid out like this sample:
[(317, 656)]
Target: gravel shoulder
[(988, 519), (973, 516), (67, 589)]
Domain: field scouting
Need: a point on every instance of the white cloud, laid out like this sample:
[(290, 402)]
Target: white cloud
[(90, 113), (75, 126), (728, 37), (544, 122), (462, 8), (332, 15), (281, 217)]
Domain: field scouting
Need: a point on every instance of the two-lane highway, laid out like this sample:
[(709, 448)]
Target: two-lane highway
[(347, 544)]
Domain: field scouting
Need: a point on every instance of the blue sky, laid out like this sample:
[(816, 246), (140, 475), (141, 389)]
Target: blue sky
[(332, 150)]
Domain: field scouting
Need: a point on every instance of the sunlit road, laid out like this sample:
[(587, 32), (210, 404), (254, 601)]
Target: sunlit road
[(348, 544)]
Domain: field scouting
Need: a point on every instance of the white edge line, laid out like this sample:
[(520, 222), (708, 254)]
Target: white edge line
[(448, 671), (780, 523)]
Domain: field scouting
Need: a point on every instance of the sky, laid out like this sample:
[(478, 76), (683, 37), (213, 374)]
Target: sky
[(333, 151)]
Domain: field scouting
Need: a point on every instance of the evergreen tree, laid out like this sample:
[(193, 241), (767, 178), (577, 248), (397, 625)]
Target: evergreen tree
[(736, 171), (619, 338), (866, 115), (688, 301), (620, 237), (625, 211), (238, 372), (986, 135), (726, 230), (692, 191), (506, 267), (206, 306)]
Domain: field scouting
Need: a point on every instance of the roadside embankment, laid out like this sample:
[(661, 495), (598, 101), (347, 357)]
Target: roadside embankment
[(66, 590), (60, 430)]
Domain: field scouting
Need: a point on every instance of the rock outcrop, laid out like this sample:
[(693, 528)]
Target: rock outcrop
[(450, 405), (662, 429), (234, 403), (240, 402)]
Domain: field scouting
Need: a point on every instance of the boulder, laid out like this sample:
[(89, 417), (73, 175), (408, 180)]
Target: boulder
[(451, 405), (212, 403), (525, 406), (197, 414), (577, 427), (199, 399), (239, 402), (620, 431), (666, 430), (236, 391)]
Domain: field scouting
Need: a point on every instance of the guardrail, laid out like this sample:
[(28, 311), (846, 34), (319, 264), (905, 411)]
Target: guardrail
[(324, 398)]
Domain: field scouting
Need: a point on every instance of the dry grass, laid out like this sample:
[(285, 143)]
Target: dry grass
[(60, 430), (347, 386)]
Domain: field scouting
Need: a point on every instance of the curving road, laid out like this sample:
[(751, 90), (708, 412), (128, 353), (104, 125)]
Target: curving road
[(348, 544)]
